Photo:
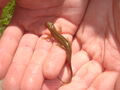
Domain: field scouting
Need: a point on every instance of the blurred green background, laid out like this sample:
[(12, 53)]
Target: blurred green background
[(6, 16)]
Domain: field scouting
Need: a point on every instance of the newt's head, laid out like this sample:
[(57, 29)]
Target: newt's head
[(49, 25)]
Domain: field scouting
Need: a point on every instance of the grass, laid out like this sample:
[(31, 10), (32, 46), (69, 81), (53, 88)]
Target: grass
[(6, 16)]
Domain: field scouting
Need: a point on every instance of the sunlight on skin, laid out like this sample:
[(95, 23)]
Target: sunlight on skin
[(35, 63)]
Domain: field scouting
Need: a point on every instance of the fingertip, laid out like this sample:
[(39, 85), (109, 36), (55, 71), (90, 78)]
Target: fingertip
[(109, 78), (48, 71)]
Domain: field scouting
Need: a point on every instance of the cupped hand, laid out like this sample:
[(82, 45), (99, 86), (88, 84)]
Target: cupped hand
[(28, 60), (95, 60)]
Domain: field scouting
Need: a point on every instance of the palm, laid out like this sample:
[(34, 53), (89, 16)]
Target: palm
[(61, 12), (97, 36), (31, 62), (23, 33), (96, 39)]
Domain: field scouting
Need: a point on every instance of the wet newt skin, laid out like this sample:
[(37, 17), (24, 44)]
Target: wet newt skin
[(65, 44)]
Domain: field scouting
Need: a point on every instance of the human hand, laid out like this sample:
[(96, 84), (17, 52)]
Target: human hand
[(26, 57), (87, 74), (95, 60)]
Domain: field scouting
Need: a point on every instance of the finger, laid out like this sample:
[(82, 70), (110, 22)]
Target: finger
[(8, 44), (55, 61), (105, 81), (84, 77), (75, 46), (20, 61), (33, 77), (78, 59)]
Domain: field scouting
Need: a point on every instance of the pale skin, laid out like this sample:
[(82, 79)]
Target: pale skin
[(27, 60)]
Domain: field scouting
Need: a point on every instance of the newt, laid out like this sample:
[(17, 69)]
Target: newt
[(65, 44)]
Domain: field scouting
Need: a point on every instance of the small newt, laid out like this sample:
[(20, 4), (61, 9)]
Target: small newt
[(65, 44)]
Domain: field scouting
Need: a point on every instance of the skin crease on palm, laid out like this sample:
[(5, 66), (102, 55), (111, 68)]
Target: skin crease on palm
[(29, 62)]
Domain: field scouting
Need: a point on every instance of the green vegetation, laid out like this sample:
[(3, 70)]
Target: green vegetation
[(6, 15)]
